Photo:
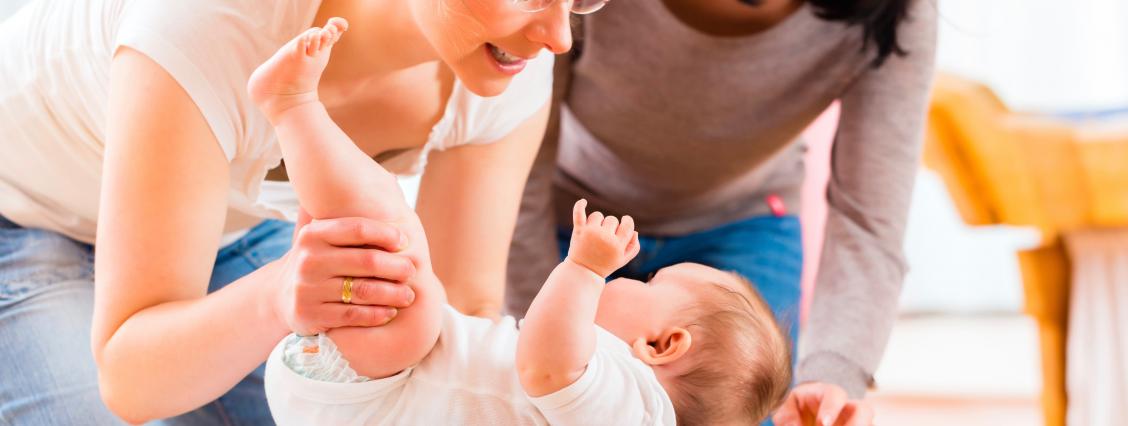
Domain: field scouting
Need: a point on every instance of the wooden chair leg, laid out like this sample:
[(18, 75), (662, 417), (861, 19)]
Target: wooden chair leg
[(1045, 277)]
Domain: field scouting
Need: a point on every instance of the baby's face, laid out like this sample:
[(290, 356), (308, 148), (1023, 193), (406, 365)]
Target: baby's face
[(631, 309)]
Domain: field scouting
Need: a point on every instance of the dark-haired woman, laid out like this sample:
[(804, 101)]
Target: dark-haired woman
[(685, 114)]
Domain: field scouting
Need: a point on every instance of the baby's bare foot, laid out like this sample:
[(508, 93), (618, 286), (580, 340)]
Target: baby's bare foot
[(290, 77)]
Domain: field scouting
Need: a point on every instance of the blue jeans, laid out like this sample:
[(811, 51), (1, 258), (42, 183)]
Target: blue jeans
[(47, 372)]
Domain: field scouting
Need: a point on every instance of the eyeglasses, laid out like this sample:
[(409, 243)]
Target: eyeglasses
[(579, 7)]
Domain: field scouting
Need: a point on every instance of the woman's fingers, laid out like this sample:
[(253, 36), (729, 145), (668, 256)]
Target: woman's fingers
[(303, 219), (368, 291), (857, 413), (788, 413), (830, 403), (353, 232), (817, 403), (335, 315), (367, 263)]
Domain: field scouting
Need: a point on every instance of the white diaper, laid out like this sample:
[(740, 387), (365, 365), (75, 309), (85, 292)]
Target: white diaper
[(317, 357)]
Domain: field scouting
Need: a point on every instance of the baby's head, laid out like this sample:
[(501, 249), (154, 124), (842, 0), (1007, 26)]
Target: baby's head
[(712, 341)]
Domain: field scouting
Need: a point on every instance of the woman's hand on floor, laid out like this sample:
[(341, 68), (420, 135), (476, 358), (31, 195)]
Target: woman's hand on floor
[(822, 404), (325, 252)]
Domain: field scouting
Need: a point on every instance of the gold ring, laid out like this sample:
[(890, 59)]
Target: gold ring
[(346, 290)]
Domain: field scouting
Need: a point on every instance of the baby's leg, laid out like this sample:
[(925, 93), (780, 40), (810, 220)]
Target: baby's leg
[(333, 179), (332, 176)]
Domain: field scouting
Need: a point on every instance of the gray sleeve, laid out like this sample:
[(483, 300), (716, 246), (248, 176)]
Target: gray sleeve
[(873, 166), (533, 253)]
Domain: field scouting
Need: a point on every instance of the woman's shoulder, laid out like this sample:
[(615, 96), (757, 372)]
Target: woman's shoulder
[(210, 48), (210, 18)]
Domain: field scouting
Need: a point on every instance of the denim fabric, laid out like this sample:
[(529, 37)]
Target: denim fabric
[(46, 305), (767, 250)]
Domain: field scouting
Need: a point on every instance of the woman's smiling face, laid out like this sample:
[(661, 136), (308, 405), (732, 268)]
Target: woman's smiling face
[(487, 42)]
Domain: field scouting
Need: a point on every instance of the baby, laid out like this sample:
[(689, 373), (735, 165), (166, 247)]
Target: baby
[(694, 345)]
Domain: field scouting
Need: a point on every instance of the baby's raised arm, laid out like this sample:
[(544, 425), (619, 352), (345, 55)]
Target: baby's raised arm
[(558, 336)]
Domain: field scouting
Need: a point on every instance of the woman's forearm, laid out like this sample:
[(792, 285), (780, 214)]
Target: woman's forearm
[(480, 298), (189, 351), (468, 200)]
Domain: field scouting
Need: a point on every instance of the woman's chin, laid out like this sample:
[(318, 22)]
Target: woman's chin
[(480, 74), (482, 80), (486, 87)]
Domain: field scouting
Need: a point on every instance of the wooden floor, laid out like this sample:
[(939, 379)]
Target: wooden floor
[(931, 410), (960, 370)]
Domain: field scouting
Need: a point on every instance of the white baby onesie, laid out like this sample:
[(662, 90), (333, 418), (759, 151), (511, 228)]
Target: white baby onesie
[(470, 378)]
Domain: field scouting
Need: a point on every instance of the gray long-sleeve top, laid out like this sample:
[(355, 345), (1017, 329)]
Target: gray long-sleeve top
[(687, 131)]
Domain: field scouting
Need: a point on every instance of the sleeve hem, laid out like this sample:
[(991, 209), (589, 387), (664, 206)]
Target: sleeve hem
[(830, 367), (150, 43), (570, 393)]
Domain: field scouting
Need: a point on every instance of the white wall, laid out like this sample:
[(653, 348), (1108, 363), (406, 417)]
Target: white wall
[(954, 267), (1038, 55), (1048, 55)]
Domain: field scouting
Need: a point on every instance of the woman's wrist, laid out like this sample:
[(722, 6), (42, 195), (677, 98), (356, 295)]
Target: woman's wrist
[(269, 280)]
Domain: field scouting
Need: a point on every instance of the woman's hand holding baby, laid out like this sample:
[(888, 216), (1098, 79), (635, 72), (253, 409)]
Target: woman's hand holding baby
[(601, 244), (324, 253)]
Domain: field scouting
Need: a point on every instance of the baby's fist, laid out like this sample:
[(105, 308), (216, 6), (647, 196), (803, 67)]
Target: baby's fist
[(601, 244)]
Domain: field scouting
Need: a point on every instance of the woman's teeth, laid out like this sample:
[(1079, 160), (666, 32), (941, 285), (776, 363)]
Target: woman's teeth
[(502, 56)]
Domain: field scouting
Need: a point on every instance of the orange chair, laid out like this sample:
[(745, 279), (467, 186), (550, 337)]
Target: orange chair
[(1002, 167)]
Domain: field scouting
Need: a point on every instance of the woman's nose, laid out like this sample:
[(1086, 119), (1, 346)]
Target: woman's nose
[(553, 27)]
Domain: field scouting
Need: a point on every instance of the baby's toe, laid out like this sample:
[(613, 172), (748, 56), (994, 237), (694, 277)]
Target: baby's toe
[(339, 24)]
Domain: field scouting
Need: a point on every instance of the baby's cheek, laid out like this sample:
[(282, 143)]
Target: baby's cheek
[(621, 314)]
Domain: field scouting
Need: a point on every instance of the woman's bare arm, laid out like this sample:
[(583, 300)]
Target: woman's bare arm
[(163, 206), (468, 202), (162, 348)]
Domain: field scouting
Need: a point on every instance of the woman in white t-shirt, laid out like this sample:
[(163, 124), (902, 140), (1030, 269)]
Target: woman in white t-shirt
[(127, 127)]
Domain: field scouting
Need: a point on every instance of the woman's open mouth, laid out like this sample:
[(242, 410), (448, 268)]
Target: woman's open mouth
[(506, 62)]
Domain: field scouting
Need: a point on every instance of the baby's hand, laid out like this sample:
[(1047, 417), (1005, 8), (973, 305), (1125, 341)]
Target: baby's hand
[(601, 244)]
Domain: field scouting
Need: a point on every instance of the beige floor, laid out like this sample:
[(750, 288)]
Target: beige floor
[(960, 370)]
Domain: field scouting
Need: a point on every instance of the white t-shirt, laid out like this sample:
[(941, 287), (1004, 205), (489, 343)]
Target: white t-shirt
[(55, 67), (470, 378)]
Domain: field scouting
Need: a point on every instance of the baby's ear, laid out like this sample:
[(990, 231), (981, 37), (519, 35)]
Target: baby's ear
[(669, 347)]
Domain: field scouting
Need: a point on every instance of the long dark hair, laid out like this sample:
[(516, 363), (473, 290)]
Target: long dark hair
[(879, 20)]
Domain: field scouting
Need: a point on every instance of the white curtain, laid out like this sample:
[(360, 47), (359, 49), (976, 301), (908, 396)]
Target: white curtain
[(1097, 354)]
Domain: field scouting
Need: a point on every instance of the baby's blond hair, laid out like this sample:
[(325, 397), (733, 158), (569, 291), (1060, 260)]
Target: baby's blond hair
[(741, 359)]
